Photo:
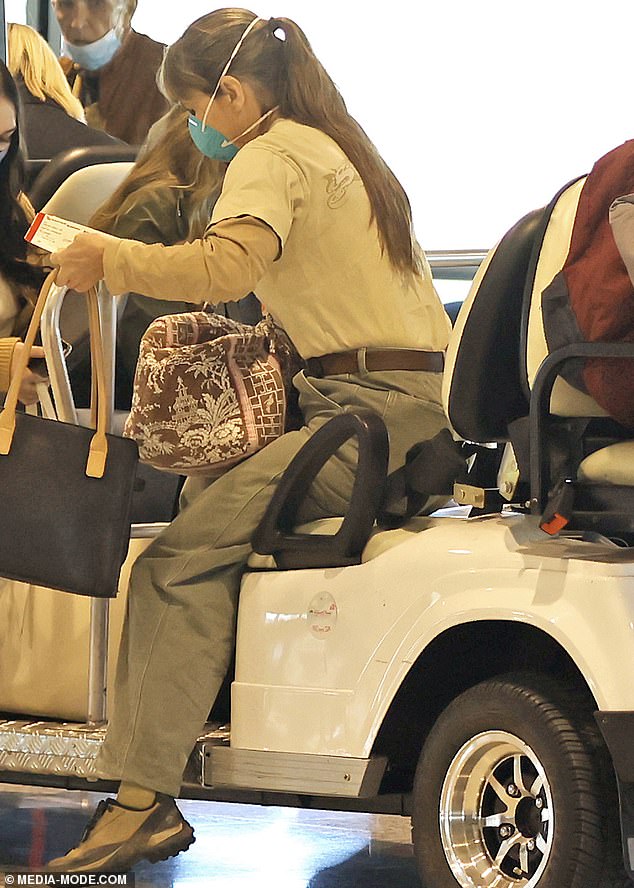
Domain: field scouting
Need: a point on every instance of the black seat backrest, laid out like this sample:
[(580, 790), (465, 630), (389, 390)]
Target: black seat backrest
[(60, 167), (482, 390)]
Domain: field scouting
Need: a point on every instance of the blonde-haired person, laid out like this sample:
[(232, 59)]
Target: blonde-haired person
[(52, 117), (311, 218), (32, 59), (168, 195), (110, 66), (20, 279)]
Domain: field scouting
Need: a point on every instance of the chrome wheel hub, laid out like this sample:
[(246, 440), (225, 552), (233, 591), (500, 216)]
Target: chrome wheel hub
[(496, 814)]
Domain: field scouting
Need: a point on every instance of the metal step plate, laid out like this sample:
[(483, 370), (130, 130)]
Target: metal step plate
[(323, 775), (44, 747), (65, 749)]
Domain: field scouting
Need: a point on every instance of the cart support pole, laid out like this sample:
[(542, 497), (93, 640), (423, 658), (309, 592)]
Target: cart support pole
[(98, 661)]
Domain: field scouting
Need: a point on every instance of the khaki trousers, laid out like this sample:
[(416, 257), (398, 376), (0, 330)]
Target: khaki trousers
[(178, 634)]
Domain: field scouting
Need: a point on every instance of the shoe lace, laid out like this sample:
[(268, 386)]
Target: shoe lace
[(103, 806)]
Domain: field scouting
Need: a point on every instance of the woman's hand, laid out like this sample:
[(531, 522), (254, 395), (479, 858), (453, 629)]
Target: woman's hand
[(28, 389), (81, 263)]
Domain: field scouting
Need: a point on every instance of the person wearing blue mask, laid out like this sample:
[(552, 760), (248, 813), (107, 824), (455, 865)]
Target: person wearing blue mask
[(20, 279), (313, 221), (111, 67)]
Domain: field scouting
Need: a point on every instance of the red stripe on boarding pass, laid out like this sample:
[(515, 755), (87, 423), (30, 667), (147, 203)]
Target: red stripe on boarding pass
[(35, 224)]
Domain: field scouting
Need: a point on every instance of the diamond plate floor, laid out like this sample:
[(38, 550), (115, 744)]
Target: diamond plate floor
[(238, 846)]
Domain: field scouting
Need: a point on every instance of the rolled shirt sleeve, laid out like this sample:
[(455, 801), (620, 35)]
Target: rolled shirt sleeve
[(223, 266)]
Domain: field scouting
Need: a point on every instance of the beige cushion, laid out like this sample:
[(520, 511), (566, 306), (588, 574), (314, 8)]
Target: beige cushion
[(324, 525), (380, 540), (565, 400), (610, 465), (79, 196)]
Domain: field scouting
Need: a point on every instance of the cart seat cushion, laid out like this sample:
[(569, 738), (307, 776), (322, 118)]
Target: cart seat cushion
[(610, 465), (380, 540)]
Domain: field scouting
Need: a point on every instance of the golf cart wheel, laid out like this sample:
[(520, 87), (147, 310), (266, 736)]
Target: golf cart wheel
[(514, 790)]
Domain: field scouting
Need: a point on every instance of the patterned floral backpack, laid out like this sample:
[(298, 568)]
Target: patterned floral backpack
[(209, 391)]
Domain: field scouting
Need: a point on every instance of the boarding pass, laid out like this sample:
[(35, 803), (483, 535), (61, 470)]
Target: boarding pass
[(52, 233)]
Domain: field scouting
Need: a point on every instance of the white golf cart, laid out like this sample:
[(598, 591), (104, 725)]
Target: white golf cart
[(473, 672)]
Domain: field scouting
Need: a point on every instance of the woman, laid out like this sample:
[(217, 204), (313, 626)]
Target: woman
[(19, 279), (312, 220), (53, 118)]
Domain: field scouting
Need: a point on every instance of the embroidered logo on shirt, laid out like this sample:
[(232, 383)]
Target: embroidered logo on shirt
[(337, 184)]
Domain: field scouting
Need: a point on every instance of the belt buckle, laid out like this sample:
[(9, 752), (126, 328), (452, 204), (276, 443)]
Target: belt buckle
[(361, 361)]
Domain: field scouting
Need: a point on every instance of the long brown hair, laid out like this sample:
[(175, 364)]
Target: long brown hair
[(172, 161), (287, 73)]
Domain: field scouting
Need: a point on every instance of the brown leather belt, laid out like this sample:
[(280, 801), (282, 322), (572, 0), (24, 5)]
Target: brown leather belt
[(367, 359)]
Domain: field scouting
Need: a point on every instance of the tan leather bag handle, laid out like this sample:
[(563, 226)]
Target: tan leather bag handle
[(98, 452)]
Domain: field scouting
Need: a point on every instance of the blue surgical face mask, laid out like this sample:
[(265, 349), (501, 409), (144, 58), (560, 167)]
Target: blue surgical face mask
[(3, 154), (210, 141), (95, 55)]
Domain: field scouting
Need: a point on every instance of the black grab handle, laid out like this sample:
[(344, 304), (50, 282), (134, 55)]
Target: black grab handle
[(274, 535)]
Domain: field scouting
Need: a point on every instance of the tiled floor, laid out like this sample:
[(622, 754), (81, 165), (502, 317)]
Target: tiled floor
[(238, 846)]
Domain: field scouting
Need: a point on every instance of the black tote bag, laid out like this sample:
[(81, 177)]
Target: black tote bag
[(65, 490)]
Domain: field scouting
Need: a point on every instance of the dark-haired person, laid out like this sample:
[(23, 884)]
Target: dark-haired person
[(110, 66), (313, 221), (19, 278)]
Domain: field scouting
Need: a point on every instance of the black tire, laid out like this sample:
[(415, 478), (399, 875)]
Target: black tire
[(539, 733)]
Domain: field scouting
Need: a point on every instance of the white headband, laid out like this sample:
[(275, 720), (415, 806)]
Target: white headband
[(228, 65), (245, 34)]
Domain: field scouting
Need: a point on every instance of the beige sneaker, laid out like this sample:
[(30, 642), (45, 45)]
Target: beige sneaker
[(116, 838)]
